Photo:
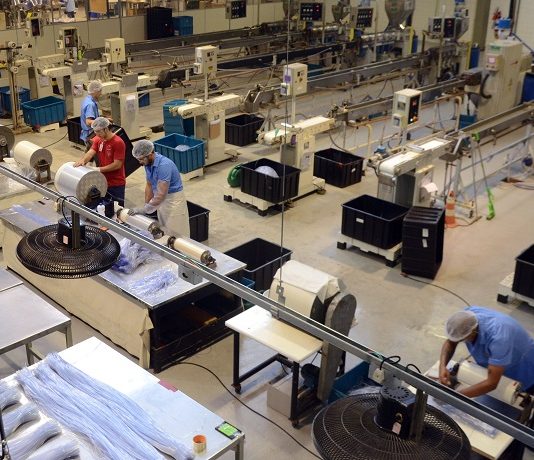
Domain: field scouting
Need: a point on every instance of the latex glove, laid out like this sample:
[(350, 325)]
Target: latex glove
[(93, 168), (134, 211)]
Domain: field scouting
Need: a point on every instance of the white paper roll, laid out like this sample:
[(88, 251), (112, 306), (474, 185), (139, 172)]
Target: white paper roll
[(78, 182), (7, 138), (471, 374), (29, 154)]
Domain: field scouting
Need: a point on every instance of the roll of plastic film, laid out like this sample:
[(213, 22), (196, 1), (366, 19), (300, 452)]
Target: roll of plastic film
[(7, 138), (29, 154), (471, 374), (190, 249), (78, 182)]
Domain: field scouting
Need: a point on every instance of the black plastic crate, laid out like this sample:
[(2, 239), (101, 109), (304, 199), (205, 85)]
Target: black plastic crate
[(263, 259), (199, 220), (524, 273), (423, 233), (338, 168), (241, 130), (74, 129), (373, 221), (192, 328), (270, 188)]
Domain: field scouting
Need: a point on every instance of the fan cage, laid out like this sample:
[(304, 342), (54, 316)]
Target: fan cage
[(40, 252)]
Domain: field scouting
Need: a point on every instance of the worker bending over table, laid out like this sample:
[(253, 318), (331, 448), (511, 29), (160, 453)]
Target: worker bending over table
[(164, 191), (495, 341)]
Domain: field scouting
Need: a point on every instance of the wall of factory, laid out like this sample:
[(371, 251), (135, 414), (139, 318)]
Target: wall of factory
[(524, 27)]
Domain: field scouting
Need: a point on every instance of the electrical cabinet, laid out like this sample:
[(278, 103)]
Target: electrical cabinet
[(311, 11), (406, 106), (236, 9), (295, 80), (115, 50), (205, 60)]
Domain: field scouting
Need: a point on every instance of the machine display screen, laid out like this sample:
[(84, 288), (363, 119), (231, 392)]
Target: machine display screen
[(311, 11)]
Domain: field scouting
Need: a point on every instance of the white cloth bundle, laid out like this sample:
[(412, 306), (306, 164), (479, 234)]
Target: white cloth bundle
[(18, 416), (84, 416), (9, 395), (122, 407), (26, 441), (59, 448)]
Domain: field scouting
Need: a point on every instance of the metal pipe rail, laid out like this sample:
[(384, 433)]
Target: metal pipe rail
[(447, 395)]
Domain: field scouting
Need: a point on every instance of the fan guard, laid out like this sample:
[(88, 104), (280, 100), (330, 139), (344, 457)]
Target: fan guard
[(40, 252), (346, 430)]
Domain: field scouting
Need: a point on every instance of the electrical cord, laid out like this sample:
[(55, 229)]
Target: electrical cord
[(55, 142), (390, 359), (250, 408), (439, 287), (410, 365)]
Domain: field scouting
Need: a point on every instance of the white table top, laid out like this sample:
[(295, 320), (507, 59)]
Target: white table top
[(258, 324), (481, 443), (174, 412), (8, 280), (25, 316)]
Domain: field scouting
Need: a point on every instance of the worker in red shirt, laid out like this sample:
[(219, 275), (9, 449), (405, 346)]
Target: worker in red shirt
[(110, 152)]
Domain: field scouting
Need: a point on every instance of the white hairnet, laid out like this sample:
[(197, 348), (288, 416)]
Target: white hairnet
[(142, 148), (460, 325), (100, 123), (94, 87)]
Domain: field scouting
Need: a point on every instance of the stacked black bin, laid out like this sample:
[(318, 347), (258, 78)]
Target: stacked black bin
[(423, 231), (159, 23), (524, 273)]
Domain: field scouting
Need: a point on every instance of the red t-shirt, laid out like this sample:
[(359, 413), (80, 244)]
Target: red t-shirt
[(108, 152)]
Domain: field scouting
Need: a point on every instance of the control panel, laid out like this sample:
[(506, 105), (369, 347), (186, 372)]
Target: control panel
[(435, 25), (449, 27), (406, 107), (494, 62), (115, 50), (311, 11), (205, 60), (295, 80), (362, 17), (236, 9)]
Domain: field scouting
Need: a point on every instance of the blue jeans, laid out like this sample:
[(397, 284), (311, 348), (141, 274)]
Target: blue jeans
[(117, 192)]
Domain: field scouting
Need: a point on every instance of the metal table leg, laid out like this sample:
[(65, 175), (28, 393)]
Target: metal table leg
[(293, 415), (236, 384)]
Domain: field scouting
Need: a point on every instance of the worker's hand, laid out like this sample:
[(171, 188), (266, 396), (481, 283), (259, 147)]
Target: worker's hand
[(93, 168), (78, 163), (134, 211), (445, 376)]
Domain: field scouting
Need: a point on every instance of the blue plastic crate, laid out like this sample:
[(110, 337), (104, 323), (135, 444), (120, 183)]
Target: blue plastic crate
[(44, 111), (183, 25), (176, 124), (144, 99), (186, 161), (250, 284), (5, 98)]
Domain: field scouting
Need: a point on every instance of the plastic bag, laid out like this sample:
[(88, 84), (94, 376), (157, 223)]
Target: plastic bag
[(182, 148), (132, 255), (154, 283), (268, 171)]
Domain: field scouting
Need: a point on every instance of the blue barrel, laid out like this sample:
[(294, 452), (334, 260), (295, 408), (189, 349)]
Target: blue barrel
[(528, 88)]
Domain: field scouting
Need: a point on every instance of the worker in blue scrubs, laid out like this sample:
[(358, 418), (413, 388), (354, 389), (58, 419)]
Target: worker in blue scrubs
[(89, 110), (164, 191), (495, 341)]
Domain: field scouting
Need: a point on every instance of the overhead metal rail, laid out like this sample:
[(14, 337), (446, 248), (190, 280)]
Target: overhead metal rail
[(419, 381)]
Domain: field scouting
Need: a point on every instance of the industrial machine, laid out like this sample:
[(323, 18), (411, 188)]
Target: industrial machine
[(323, 298), (209, 114), (406, 177), (296, 140), (406, 108), (504, 69)]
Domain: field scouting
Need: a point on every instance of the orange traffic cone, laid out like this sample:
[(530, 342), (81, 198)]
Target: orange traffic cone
[(450, 212)]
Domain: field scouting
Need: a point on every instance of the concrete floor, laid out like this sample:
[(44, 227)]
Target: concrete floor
[(395, 314)]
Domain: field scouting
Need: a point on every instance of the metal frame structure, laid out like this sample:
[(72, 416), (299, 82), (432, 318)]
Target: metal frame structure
[(420, 382)]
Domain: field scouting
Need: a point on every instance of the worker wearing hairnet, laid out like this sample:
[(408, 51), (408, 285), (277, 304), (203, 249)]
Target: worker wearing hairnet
[(89, 110), (111, 152), (163, 190), (495, 341)]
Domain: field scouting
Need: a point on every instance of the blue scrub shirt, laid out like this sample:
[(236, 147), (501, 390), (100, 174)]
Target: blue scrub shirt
[(165, 170), (89, 109), (502, 341)]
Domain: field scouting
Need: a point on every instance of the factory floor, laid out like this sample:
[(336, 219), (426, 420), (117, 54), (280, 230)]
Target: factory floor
[(396, 315)]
